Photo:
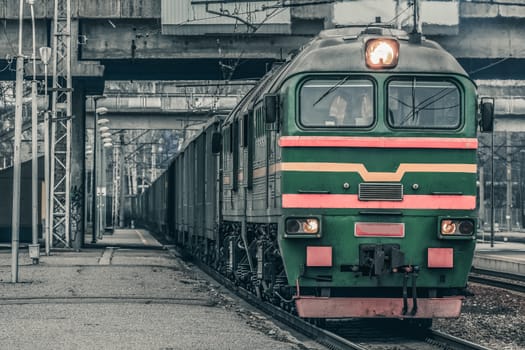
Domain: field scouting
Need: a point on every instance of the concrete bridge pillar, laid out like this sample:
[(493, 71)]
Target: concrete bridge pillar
[(87, 79), (78, 183)]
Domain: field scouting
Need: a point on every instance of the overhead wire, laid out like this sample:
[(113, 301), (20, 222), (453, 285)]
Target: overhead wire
[(410, 5), (490, 65), (237, 61)]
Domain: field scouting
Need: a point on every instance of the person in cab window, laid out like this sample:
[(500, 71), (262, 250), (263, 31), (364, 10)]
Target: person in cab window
[(337, 112), (364, 109)]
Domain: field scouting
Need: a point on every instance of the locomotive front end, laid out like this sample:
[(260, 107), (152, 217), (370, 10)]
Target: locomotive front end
[(378, 179)]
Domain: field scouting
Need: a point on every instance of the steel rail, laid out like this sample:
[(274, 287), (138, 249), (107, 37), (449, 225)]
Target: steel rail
[(507, 275), (454, 342), (499, 280), (398, 335)]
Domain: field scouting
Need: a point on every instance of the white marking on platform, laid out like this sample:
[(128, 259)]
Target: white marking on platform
[(107, 256), (141, 237)]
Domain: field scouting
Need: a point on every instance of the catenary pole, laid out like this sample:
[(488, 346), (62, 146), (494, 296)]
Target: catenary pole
[(15, 222), (45, 55)]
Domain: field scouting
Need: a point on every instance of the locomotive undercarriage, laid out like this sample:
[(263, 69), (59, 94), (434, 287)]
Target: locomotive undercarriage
[(253, 260)]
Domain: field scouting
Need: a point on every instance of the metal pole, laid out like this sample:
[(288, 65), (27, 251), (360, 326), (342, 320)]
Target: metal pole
[(34, 248), (116, 185), (508, 204), (416, 17), (102, 197), (522, 178), (492, 195), (153, 163), (61, 124), (398, 11), (45, 54), (482, 217), (47, 163), (15, 222), (94, 215), (143, 170), (122, 182), (134, 170)]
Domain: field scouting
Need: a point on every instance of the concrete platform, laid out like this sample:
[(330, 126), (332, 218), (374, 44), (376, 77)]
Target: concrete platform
[(129, 237), (507, 255), (126, 298)]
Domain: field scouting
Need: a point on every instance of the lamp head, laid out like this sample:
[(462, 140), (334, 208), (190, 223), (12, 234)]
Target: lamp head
[(45, 54), (101, 110)]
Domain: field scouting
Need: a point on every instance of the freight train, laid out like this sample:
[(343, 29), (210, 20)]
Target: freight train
[(342, 185)]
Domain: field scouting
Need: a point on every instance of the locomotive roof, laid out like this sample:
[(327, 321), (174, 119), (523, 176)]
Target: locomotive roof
[(342, 49)]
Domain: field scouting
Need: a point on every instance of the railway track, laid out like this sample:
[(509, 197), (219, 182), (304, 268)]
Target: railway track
[(353, 334), (396, 334), (498, 279)]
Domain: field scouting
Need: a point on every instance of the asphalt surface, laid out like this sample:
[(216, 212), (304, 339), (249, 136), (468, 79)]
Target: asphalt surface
[(117, 298)]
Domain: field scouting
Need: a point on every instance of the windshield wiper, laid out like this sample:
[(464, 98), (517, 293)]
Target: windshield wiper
[(423, 105), (332, 88)]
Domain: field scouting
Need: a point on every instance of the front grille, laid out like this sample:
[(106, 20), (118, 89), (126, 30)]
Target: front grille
[(380, 192)]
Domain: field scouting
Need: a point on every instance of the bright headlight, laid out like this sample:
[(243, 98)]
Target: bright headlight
[(300, 226), (381, 53), (311, 226), (448, 227), (457, 227)]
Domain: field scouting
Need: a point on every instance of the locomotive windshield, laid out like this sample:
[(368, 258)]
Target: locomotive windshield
[(423, 104), (337, 103)]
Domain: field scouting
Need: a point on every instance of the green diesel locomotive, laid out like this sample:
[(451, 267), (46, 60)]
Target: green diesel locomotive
[(343, 184)]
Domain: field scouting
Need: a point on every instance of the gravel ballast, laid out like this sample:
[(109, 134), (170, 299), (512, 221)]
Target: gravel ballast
[(492, 317)]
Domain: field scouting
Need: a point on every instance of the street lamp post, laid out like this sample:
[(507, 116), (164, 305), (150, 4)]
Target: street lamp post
[(34, 248), (45, 55), (106, 142)]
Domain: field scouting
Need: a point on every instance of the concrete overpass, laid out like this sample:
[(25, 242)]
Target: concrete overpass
[(166, 104), (167, 40), (130, 40)]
